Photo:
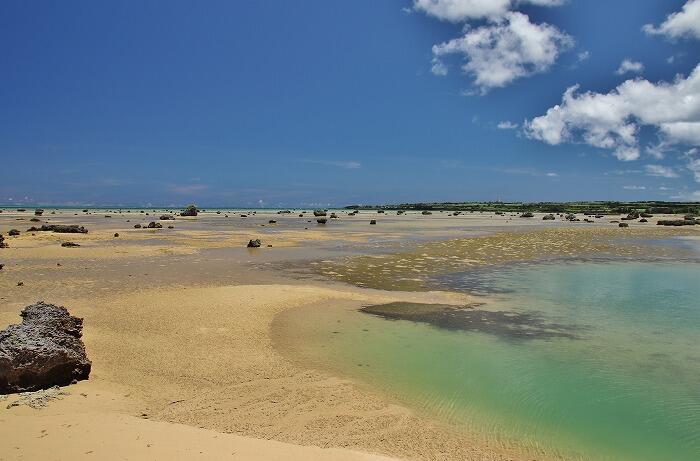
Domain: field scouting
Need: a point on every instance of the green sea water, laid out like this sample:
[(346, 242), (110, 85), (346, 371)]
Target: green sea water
[(623, 384)]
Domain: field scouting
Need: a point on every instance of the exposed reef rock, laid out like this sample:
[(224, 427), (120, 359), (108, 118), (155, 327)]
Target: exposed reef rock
[(44, 350), (60, 229)]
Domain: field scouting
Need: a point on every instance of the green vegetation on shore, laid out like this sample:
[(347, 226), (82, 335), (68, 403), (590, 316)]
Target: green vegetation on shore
[(607, 207)]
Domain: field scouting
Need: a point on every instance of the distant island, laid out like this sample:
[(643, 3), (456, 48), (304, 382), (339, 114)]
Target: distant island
[(602, 207)]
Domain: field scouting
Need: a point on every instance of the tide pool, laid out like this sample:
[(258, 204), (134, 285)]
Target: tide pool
[(623, 383)]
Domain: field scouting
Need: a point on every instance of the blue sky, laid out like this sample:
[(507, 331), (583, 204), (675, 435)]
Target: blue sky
[(280, 103)]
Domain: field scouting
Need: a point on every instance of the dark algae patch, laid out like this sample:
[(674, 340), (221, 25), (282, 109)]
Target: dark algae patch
[(513, 326)]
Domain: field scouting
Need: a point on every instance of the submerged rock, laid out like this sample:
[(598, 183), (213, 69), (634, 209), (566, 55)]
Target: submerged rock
[(254, 243), (45, 350)]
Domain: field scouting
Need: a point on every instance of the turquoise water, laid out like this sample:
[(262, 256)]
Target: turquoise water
[(626, 387)]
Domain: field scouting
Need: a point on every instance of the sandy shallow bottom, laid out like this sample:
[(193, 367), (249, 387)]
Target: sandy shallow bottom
[(178, 326)]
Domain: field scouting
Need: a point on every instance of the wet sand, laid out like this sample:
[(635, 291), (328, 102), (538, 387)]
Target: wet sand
[(178, 326)]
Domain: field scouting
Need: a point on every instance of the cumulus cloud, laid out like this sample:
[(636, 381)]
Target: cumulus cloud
[(509, 46), (628, 65), (685, 23), (505, 49), (507, 125), (660, 171), (613, 120)]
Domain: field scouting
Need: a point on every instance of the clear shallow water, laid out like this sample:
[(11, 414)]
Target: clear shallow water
[(627, 388)]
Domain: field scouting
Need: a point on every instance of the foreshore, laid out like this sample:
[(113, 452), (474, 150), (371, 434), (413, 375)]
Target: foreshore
[(178, 327)]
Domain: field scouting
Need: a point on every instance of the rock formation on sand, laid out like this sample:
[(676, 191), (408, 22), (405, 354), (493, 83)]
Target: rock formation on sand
[(254, 243), (322, 220), (70, 245), (319, 213), (2, 242), (60, 228), (527, 214), (549, 217), (13, 233), (44, 350), (191, 210)]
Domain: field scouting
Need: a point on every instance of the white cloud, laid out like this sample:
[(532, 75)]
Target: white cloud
[(506, 49), (507, 125), (693, 159), (628, 65), (465, 10), (661, 171), (462, 10), (613, 120), (552, 175), (634, 187), (438, 68), (685, 23)]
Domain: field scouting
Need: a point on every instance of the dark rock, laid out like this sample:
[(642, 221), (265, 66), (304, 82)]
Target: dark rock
[(400, 212), (70, 245), (677, 222), (2, 242), (380, 211), (38, 212), (137, 226), (21, 210), (45, 350), (272, 221), (191, 210), (334, 216), (13, 233), (154, 225), (643, 220), (35, 220), (171, 227), (319, 213), (549, 217), (254, 243), (322, 220), (167, 217), (623, 224), (374, 221), (426, 212), (527, 214), (20, 284), (116, 234), (1, 266), (60, 229)]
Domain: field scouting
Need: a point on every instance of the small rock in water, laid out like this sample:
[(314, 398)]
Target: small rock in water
[(254, 243)]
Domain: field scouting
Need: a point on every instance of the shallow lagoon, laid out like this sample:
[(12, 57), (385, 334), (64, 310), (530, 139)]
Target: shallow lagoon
[(623, 385)]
